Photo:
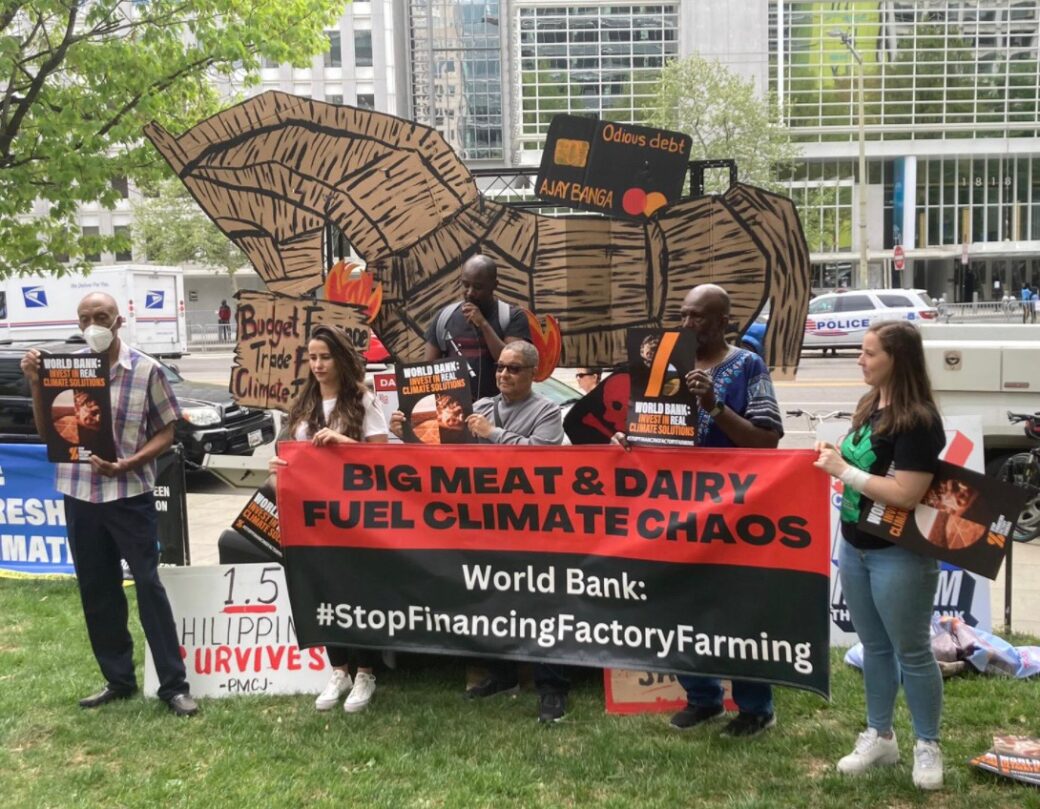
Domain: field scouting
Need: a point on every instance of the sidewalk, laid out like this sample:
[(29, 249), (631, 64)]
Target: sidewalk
[(208, 516)]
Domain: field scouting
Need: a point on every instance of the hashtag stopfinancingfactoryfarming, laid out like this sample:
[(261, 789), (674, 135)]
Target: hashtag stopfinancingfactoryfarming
[(325, 614)]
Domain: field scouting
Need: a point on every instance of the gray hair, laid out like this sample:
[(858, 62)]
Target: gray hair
[(528, 353)]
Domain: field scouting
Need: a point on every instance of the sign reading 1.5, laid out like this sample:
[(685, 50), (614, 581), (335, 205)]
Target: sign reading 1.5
[(267, 579)]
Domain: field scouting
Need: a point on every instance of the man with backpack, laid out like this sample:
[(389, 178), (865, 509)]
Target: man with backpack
[(478, 328)]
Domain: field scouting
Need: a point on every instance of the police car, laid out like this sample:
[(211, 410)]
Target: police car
[(840, 319)]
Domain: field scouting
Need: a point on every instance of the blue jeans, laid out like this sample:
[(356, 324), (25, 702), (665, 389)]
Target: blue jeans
[(890, 593), (751, 698), (99, 534)]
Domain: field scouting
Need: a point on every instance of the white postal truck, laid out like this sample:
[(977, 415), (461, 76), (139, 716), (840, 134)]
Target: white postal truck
[(150, 298)]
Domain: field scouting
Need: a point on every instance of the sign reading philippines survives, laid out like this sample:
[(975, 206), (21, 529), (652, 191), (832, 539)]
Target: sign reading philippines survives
[(661, 560)]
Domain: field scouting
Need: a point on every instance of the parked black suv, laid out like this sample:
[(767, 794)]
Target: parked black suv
[(213, 422)]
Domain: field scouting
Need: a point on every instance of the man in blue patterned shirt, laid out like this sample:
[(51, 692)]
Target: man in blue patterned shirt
[(110, 513), (738, 408)]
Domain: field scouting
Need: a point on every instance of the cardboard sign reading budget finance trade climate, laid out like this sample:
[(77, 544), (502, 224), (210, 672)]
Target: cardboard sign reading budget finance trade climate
[(273, 331), (78, 406), (617, 169)]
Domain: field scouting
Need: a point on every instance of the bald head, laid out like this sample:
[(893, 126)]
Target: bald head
[(705, 311), (479, 280), (100, 299), (101, 309), (483, 264), (710, 297)]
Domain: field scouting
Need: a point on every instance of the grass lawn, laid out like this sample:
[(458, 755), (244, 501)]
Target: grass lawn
[(420, 745)]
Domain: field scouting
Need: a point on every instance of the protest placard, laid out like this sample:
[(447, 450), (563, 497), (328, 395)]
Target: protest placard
[(964, 518), (435, 399), (609, 167), (258, 521), (661, 409), (236, 633), (78, 407), (697, 560), (1014, 757)]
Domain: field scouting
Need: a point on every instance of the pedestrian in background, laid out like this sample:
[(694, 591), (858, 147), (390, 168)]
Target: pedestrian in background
[(224, 322)]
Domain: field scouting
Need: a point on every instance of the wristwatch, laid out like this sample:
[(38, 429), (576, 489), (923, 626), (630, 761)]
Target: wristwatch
[(717, 409)]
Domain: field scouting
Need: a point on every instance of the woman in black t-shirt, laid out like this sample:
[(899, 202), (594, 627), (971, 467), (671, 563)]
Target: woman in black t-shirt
[(890, 456)]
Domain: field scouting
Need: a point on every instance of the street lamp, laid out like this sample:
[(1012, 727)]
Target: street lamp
[(846, 40)]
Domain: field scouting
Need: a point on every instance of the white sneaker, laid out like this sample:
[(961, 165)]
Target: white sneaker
[(339, 684), (871, 750), (361, 694), (928, 765)]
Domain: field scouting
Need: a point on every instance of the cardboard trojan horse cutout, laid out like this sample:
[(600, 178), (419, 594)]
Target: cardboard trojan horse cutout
[(273, 170)]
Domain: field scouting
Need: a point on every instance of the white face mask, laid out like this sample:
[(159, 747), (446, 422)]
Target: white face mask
[(98, 338)]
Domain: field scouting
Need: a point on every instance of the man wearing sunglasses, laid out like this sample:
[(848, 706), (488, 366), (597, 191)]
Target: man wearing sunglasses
[(587, 379), (519, 416)]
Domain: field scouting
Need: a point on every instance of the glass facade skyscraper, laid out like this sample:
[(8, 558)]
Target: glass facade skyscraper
[(952, 115), (456, 73), (602, 60)]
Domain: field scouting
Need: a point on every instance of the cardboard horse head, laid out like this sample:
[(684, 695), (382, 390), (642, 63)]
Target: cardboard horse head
[(273, 170)]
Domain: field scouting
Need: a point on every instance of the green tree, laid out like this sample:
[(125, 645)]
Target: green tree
[(726, 118), (79, 78), (170, 228)]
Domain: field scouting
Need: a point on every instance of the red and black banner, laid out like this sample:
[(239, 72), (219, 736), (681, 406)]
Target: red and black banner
[(674, 560)]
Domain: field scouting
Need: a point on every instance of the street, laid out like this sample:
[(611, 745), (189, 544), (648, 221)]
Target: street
[(823, 384)]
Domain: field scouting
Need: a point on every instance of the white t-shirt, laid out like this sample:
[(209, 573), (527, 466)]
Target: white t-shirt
[(374, 423)]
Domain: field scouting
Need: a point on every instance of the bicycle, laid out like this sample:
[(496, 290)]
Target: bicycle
[(816, 418), (1023, 470)]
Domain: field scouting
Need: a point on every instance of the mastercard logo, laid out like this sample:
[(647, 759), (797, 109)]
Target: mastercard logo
[(636, 201)]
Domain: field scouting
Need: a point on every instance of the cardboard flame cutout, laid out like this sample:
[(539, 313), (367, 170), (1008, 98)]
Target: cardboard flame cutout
[(364, 290), (273, 170), (548, 342)]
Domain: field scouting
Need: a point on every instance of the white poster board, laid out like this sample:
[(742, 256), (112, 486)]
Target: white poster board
[(236, 633), (960, 593), (384, 387)]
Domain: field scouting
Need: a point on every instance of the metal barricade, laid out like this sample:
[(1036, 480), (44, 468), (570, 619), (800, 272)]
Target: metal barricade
[(980, 312)]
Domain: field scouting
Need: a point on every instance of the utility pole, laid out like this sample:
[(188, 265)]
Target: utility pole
[(863, 276)]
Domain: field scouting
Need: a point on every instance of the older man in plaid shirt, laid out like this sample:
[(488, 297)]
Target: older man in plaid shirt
[(110, 514)]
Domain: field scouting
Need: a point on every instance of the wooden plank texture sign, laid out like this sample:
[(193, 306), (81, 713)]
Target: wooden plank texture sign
[(273, 330), (273, 171)]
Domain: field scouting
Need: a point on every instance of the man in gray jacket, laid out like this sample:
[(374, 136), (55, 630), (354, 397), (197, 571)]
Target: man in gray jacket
[(515, 415)]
